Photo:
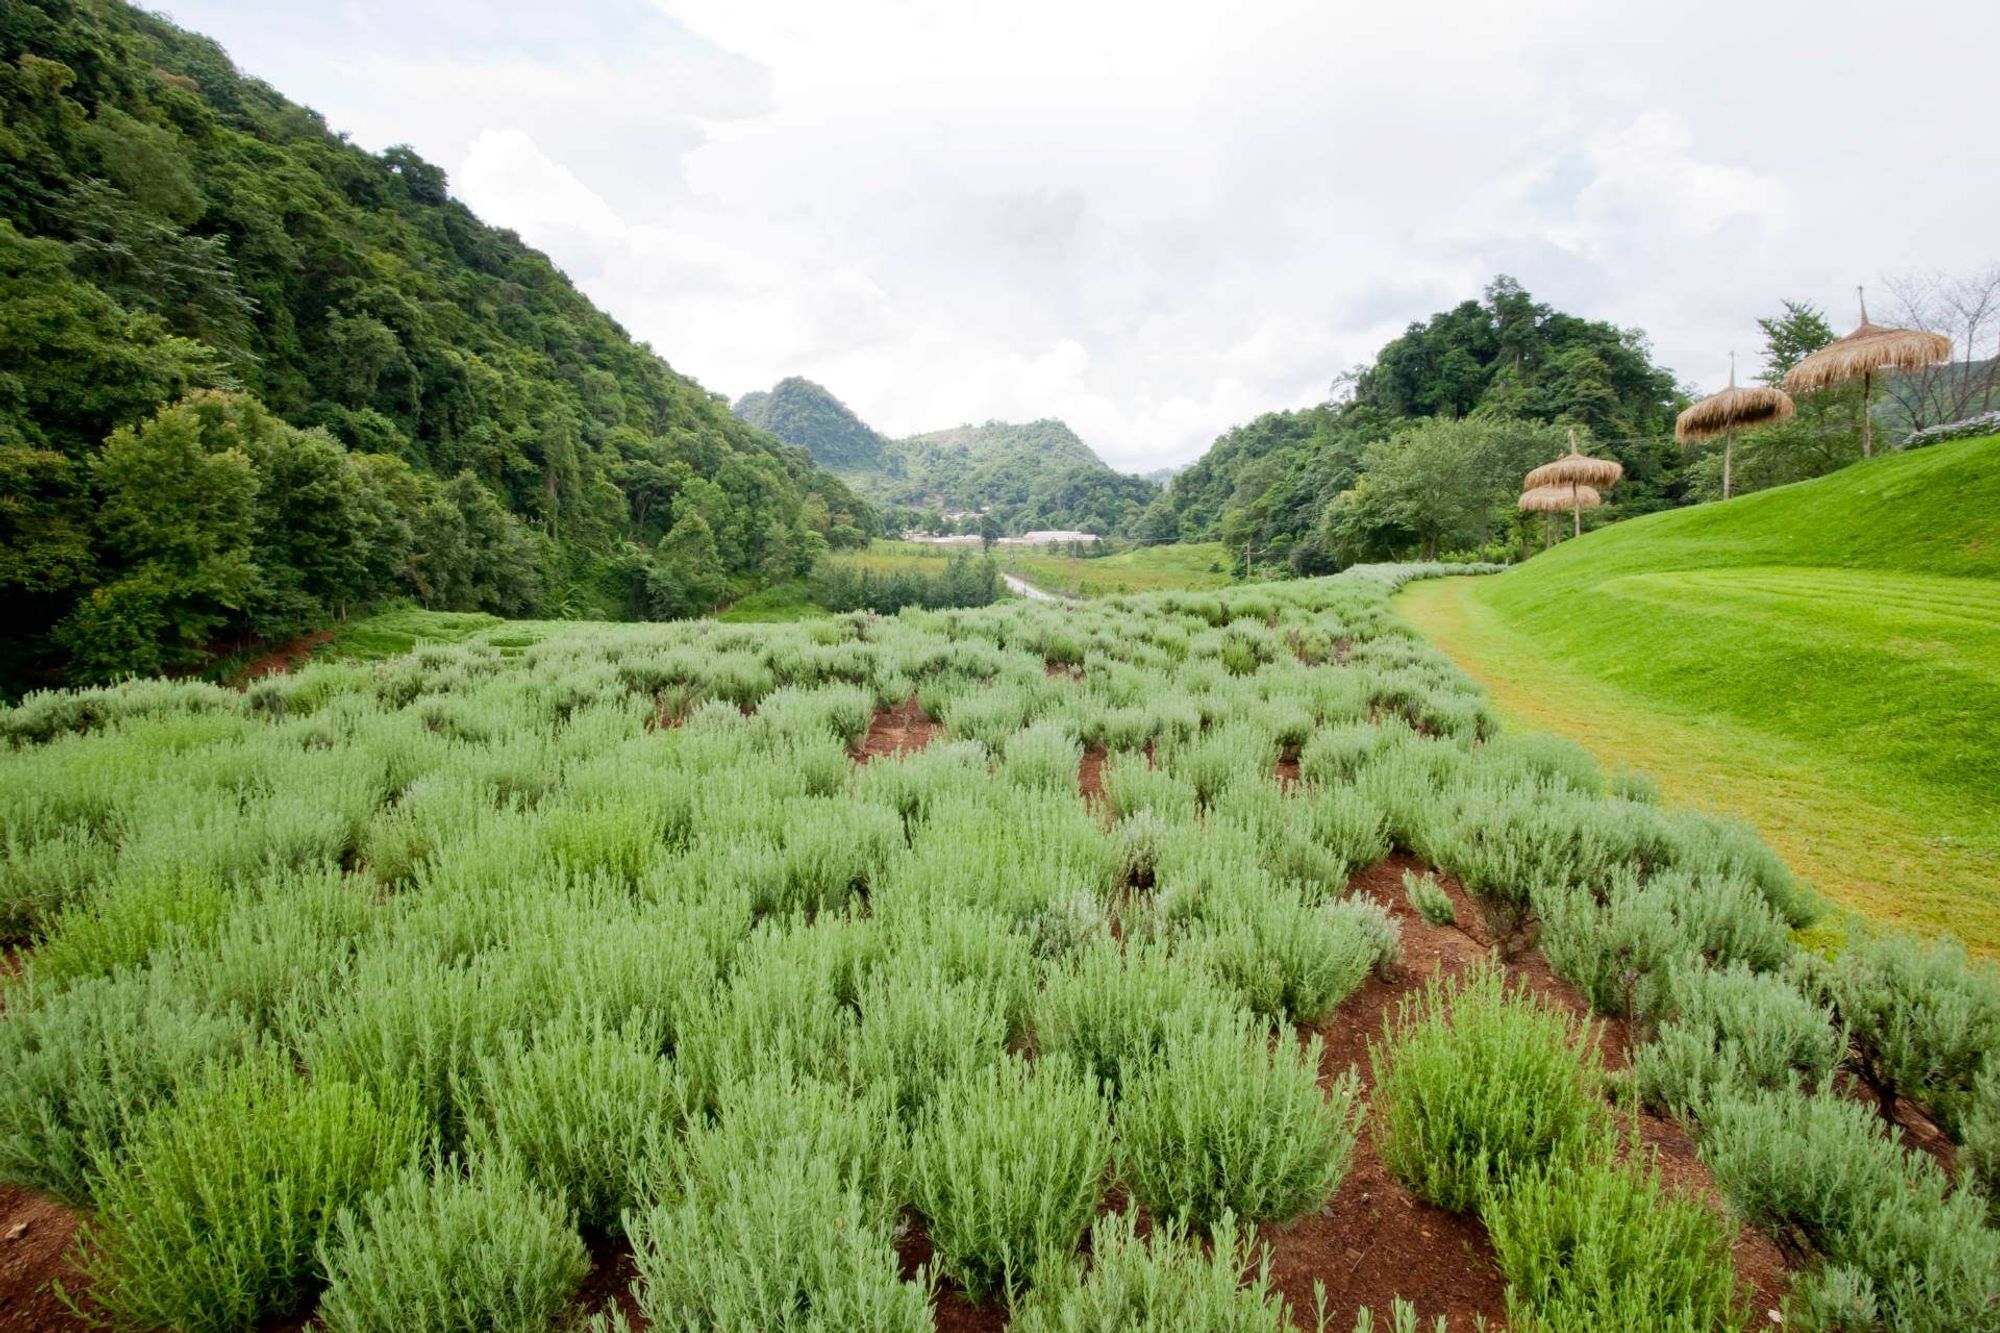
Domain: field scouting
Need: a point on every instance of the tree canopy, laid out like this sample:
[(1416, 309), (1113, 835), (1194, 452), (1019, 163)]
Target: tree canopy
[(1311, 489), (169, 225)]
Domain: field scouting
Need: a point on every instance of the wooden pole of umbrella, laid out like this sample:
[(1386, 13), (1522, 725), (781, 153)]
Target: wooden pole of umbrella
[(1868, 351), (1572, 482), (1732, 410)]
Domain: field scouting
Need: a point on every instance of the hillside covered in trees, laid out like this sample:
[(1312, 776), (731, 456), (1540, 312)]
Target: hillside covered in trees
[(1420, 447), (1037, 474), (252, 376)]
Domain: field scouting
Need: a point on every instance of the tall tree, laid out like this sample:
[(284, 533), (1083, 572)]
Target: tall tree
[(1790, 337), (176, 513)]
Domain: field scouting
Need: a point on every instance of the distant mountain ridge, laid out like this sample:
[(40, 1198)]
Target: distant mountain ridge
[(1026, 475)]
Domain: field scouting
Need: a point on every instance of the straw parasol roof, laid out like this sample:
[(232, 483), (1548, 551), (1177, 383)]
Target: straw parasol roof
[(1733, 409), (1554, 499), (1860, 354), (1575, 468), (1868, 349), (1724, 413)]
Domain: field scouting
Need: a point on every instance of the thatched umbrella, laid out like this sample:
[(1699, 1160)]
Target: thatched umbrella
[(1575, 473), (1553, 499), (1863, 352), (1726, 412)]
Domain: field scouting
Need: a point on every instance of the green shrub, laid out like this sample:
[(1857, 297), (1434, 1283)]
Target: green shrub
[(1227, 1120), (1042, 756), (1007, 1170), (1825, 1179), (781, 1006), (41, 877), (577, 1108), (1108, 1007), (1431, 902), (1288, 957), (122, 924), (1731, 1030), (1335, 754), (1350, 826), (1980, 1152), (80, 1070), (775, 1118), (211, 1217), (1619, 953), (411, 1026), (1587, 1245), (452, 1252), (1474, 1083), (919, 1030), (789, 1247), (1922, 1017), (1170, 1282)]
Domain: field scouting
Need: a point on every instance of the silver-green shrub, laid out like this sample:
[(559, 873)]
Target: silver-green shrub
[(452, 1251), (1228, 1119)]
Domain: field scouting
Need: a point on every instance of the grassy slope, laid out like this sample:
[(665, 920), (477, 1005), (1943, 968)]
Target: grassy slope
[(1822, 660)]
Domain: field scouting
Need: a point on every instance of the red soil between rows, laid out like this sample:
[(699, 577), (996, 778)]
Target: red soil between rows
[(903, 729), (284, 658)]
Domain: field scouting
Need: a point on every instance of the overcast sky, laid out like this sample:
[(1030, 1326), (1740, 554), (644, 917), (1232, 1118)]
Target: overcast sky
[(1156, 220)]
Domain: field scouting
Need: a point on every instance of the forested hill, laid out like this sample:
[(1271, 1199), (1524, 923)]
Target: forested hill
[(421, 404), (1024, 476), (800, 412), (1364, 478)]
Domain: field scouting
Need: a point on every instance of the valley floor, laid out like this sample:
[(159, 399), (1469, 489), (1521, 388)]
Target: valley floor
[(1873, 848)]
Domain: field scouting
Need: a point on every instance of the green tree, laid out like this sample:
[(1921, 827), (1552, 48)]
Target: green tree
[(176, 513), (686, 576), (1443, 482), (1790, 337)]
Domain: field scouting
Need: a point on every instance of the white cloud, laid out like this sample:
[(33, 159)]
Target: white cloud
[(1157, 220)]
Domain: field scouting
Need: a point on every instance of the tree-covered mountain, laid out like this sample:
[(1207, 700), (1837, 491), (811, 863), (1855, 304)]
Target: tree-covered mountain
[(800, 412), (487, 437), (1290, 486), (1038, 474), (1035, 474)]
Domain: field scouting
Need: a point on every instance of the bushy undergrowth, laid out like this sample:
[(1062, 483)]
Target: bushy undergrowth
[(1587, 1246), (1474, 1084), (1007, 1170), (211, 1217), (1228, 1119), (615, 917), (452, 1251)]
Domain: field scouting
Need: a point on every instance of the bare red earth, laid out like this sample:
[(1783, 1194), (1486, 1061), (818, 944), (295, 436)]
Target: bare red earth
[(1090, 775), (901, 730), (35, 1238), (282, 659)]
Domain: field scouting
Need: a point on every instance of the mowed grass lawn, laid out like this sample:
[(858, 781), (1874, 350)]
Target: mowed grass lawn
[(1143, 569), (1821, 660)]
